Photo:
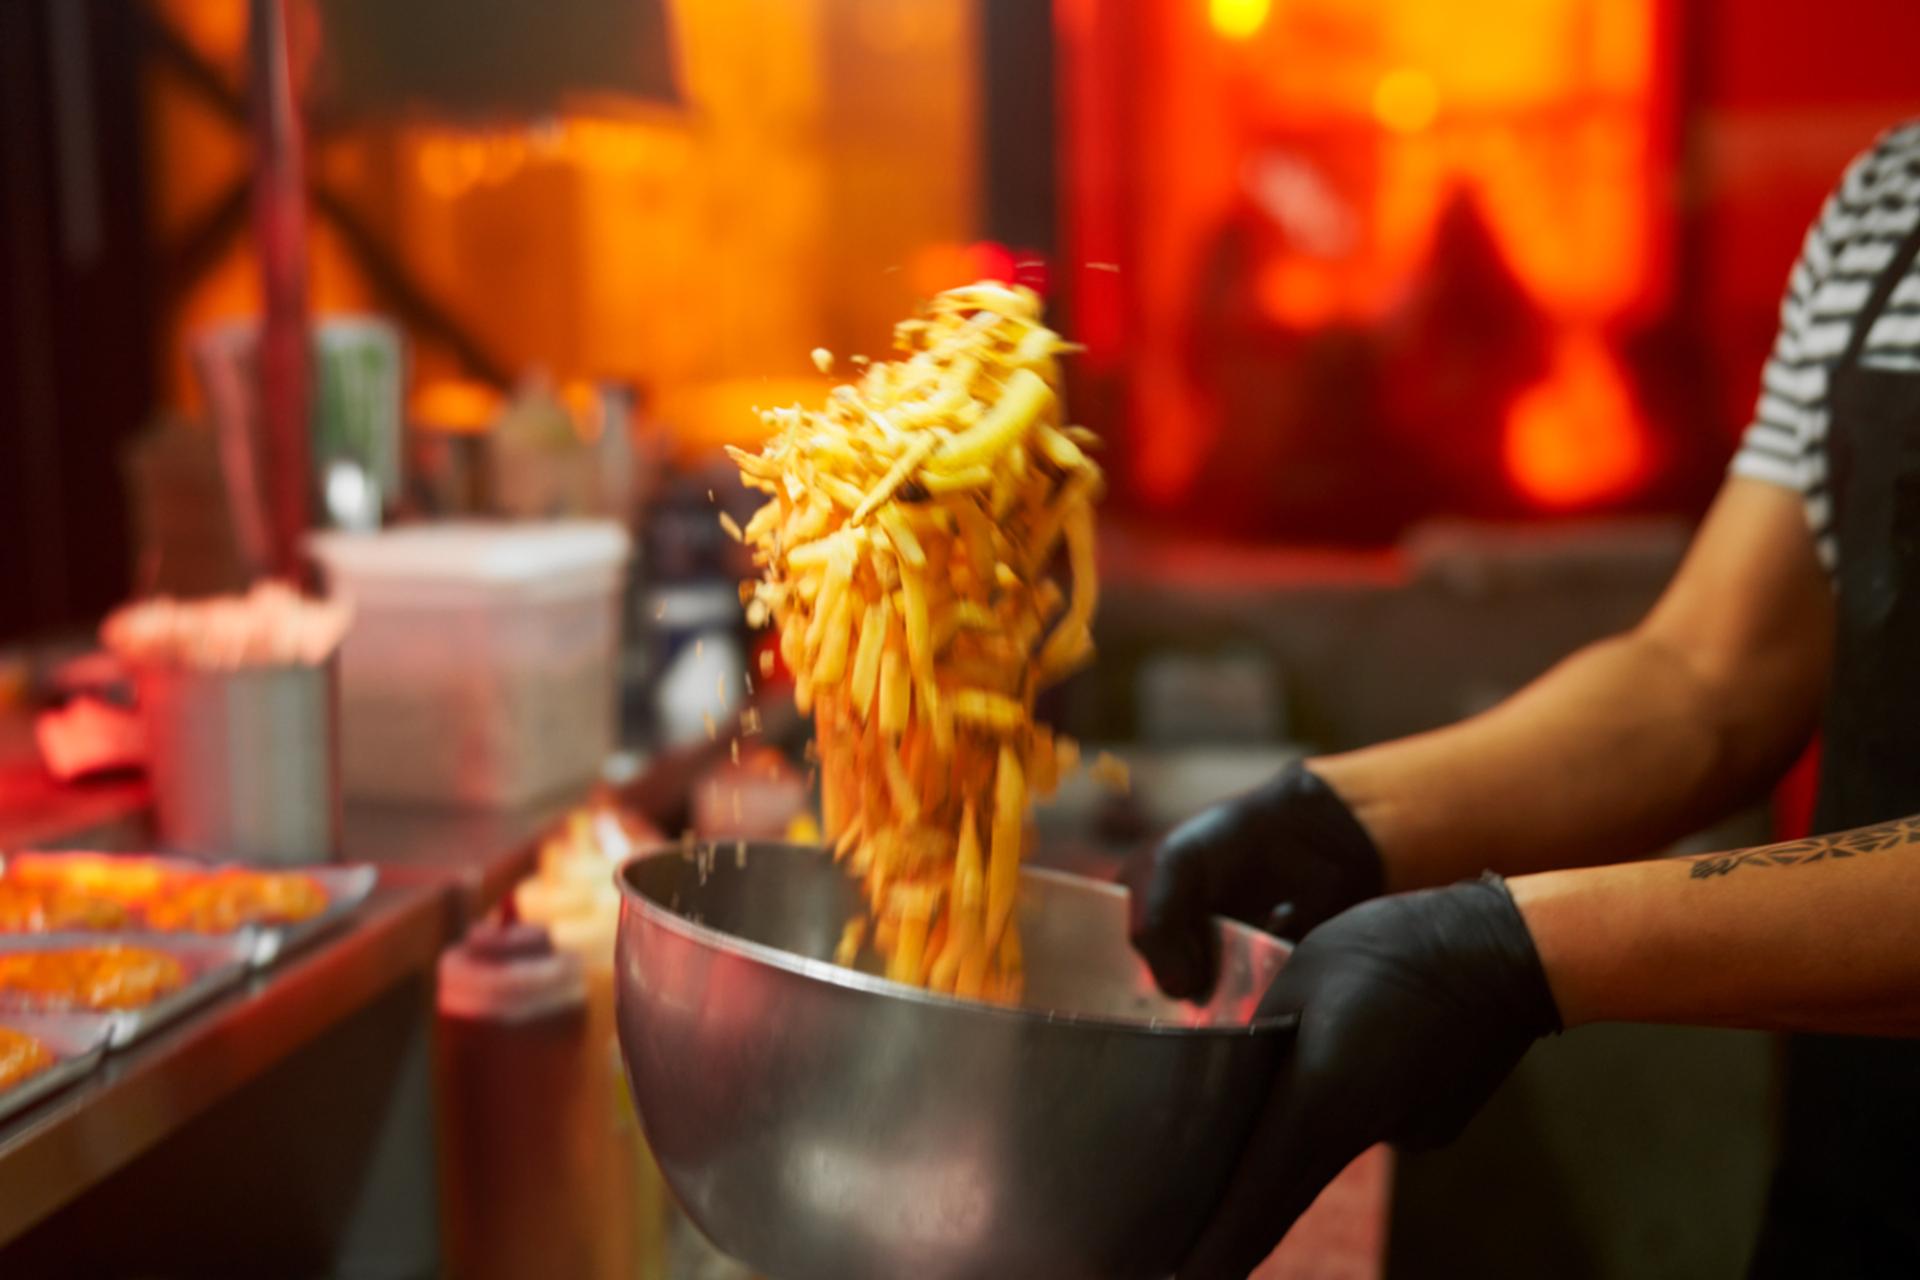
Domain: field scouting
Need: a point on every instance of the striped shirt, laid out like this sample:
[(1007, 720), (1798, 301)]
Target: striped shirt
[(1853, 242)]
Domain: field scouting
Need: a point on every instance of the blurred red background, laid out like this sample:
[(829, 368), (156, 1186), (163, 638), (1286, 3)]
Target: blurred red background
[(1341, 266), (1345, 264)]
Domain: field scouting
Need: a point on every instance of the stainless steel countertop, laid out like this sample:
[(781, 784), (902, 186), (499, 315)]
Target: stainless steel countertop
[(58, 1149), (439, 869)]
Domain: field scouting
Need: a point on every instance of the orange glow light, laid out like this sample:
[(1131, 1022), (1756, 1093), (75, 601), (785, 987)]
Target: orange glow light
[(1547, 117), (455, 405), (1406, 100), (1573, 438), (1238, 19)]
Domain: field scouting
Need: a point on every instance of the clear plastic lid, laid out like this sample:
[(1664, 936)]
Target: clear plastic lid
[(473, 558)]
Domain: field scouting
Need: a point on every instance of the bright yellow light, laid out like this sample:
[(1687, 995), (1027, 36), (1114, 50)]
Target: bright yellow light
[(1238, 19), (1406, 100)]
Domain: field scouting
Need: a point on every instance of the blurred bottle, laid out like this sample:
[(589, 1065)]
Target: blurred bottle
[(616, 464), (521, 1152), (692, 678), (359, 372), (358, 365), (573, 897)]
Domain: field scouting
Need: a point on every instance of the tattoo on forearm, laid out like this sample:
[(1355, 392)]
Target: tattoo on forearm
[(1879, 838)]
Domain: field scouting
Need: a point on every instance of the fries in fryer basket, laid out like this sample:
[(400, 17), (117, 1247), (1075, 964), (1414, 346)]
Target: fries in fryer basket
[(908, 551)]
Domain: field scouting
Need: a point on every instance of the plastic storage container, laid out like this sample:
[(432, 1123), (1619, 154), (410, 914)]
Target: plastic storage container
[(480, 667)]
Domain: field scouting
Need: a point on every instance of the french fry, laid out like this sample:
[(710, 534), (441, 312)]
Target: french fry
[(1070, 638), (936, 942), (915, 913), (762, 523), (806, 522), (976, 532), (969, 874), (848, 948), (904, 542), (866, 659), (890, 483), (993, 712), (896, 693), (1043, 764), (973, 615), (1021, 402), (1009, 965), (949, 482), (906, 806), (843, 492), (1003, 865), (940, 722), (831, 664), (753, 464), (913, 591), (1059, 449), (968, 899), (848, 838), (824, 551)]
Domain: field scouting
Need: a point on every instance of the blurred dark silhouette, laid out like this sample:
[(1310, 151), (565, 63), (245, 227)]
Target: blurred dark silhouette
[(489, 60), (1465, 341), (1350, 432)]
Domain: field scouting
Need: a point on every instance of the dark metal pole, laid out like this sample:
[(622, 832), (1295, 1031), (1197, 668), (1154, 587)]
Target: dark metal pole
[(280, 228)]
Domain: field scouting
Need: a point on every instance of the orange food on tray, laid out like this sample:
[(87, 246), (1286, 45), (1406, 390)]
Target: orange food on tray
[(42, 893), (21, 1056), (96, 875), (35, 906), (97, 978), (225, 900)]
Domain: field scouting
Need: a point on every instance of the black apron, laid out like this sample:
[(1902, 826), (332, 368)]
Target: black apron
[(1846, 1197)]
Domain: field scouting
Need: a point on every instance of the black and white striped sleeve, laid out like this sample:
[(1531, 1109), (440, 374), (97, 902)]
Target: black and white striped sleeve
[(1848, 248), (1785, 442)]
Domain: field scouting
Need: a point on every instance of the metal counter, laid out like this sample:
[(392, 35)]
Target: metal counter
[(54, 1152), (215, 1108)]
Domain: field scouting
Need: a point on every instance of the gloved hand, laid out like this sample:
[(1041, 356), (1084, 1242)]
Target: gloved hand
[(1282, 857), (1410, 1010)]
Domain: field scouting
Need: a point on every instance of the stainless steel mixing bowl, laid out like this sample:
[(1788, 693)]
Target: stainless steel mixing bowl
[(823, 1124)]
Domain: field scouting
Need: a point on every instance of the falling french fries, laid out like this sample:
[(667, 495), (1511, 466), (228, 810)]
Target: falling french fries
[(908, 552)]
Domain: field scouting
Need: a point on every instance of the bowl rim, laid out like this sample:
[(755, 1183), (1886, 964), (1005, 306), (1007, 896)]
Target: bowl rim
[(870, 984)]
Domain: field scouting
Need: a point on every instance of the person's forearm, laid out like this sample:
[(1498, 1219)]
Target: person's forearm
[(1811, 935), (1618, 750), (1633, 742)]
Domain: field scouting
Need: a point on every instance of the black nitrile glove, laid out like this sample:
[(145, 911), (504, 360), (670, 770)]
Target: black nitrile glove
[(1410, 1011), (1282, 857)]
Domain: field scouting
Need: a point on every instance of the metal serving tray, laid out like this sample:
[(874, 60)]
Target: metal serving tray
[(347, 887), (213, 965), (78, 1041)]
